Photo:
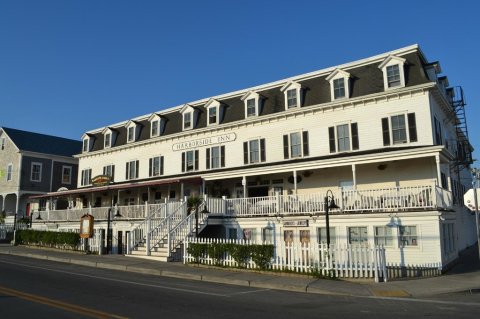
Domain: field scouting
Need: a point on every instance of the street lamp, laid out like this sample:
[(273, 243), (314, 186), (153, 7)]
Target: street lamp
[(329, 203), (109, 231)]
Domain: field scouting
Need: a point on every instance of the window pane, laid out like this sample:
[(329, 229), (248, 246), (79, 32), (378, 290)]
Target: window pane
[(131, 130), (399, 131), (292, 98), (254, 151), (154, 128), (187, 120), (393, 75), (215, 157), (190, 162), (408, 236), (251, 107), (358, 236), (295, 144), (383, 236), (339, 88), (322, 235), (343, 137), (212, 115)]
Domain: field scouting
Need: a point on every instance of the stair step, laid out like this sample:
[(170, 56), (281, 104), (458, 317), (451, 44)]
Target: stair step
[(156, 258)]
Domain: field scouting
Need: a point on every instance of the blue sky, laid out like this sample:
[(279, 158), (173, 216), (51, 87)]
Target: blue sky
[(71, 66)]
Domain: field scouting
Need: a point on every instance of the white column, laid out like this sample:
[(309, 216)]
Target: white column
[(295, 181), (354, 176), (181, 190), (244, 184), (439, 171), (17, 204)]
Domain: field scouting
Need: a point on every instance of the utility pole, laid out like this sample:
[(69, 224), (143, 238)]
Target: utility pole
[(476, 177)]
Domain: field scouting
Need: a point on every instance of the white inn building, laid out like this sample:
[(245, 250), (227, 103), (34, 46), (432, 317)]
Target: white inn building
[(386, 135)]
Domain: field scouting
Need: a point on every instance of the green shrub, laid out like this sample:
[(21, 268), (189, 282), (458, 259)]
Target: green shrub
[(197, 250), (217, 251), (241, 254), (47, 238), (262, 255)]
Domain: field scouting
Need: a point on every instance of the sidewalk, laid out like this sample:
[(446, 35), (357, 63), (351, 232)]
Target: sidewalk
[(464, 277)]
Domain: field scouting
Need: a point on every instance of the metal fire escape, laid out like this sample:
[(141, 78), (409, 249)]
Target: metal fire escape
[(463, 151)]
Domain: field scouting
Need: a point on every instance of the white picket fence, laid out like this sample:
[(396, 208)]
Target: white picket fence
[(338, 261)]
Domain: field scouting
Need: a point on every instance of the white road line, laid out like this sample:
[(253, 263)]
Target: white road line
[(441, 302), (118, 280)]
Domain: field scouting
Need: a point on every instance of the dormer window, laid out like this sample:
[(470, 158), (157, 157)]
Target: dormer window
[(85, 145), (157, 124), (133, 130), (214, 112), (87, 142), (339, 84), (393, 75), (109, 136), (292, 95), (187, 120), (189, 117), (252, 104)]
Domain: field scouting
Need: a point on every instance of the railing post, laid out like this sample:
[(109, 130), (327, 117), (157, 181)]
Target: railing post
[(147, 237), (166, 208), (279, 204), (169, 239), (224, 205), (146, 209), (434, 195)]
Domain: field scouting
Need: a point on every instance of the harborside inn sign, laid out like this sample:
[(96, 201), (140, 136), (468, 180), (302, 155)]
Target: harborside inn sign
[(219, 139)]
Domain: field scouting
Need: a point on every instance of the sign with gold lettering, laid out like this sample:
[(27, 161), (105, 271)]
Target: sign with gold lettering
[(101, 180), (219, 139)]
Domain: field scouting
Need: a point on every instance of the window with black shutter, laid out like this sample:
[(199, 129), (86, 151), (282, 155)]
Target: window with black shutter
[(285, 146), (331, 138), (354, 129), (386, 131), (305, 143), (263, 157), (196, 160), (245, 152), (161, 165), (412, 127), (183, 161), (222, 156), (207, 162)]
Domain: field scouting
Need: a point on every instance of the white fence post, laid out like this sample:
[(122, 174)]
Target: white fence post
[(147, 237)]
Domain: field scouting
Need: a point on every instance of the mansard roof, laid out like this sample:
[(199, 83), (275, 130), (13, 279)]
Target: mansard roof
[(365, 78), (42, 143)]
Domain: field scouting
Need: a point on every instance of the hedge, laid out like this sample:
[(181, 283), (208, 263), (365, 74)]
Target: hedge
[(47, 238), (261, 255)]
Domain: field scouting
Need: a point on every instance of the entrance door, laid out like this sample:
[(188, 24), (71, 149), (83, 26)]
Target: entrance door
[(258, 191)]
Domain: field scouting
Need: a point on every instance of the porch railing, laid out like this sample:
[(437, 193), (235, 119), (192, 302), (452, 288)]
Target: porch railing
[(348, 200)]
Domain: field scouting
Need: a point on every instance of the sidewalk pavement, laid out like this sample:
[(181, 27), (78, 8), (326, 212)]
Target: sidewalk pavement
[(464, 277)]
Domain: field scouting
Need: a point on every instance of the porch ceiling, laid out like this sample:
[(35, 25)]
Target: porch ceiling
[(118, 187)]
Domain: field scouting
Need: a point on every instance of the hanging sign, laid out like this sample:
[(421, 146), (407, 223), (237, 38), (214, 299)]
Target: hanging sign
[(295, 223), (101, 180), (86, 226)]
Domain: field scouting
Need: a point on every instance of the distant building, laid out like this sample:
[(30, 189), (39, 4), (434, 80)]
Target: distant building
[(386, 135), (32, 164)]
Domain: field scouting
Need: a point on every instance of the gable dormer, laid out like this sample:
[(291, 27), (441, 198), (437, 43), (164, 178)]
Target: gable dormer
[(215, 111), (157, 124), (433, 69), (189, 117), (109, 137), (252, 102), (393, 69), (339, 84), (293, 94), (133, 131), (87, 142)]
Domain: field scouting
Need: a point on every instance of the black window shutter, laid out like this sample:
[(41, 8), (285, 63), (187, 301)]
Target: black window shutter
[(354, 128), (83, 177), (305, 143), (161, 165), (113, 173), (245, 152), (263, 157), (386, 131), (331, 138), (136, 168), (183, 161), (208, 158), (126, 170), (196, 160), (285, 146), (222, 156), (150, 168), (412, 127)]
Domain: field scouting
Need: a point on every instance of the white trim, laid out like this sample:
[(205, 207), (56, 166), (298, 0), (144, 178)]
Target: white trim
[(248, 97), (289, 86), (338, 74), (213, 104), (40, 172), (392, 61)]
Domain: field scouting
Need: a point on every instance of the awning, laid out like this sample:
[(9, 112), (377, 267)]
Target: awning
[(194, 180)]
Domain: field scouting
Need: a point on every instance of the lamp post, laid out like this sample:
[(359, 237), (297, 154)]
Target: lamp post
[(329, 203), (109, 231), (475, 180)]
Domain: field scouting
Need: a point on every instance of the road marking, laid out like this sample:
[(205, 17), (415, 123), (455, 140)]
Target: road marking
[(118, 280), (248, 292), (58, 304), (442, 302)]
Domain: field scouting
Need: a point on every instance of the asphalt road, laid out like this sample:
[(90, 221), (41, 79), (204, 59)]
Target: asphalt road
[(44, 289)]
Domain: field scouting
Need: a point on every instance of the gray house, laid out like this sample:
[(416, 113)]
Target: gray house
[(33, 164)]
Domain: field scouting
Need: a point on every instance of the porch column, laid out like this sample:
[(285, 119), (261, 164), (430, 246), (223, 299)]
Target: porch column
[(295, 181), (202, 188), (181, 190), (354, 176), (439, 171), (449, 179), (17, 204), (244, 184)]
